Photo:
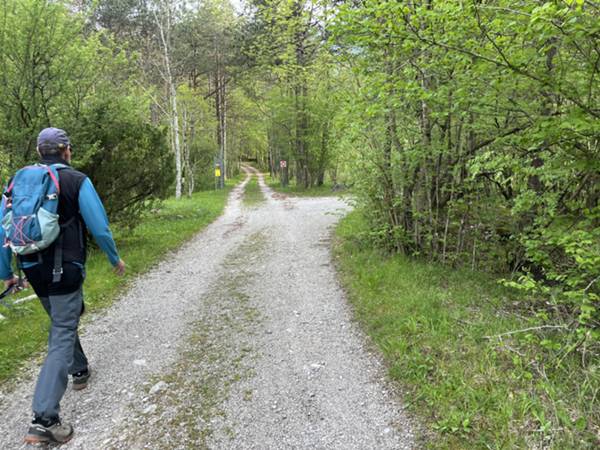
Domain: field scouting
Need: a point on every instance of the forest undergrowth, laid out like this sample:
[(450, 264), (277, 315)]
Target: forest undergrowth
[(476, 364)]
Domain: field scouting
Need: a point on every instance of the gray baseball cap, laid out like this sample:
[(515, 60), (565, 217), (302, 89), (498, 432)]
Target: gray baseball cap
[(50, 138)]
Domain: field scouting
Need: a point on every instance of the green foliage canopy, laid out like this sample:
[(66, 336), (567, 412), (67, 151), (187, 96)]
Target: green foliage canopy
[(55, 73)]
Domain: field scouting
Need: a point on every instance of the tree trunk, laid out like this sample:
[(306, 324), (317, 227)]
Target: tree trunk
[(220, 112), (178, 171), (302, 177), (172, 94), (224, 128)]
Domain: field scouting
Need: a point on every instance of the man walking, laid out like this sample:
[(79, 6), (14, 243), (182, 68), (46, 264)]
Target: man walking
[(56, 275)]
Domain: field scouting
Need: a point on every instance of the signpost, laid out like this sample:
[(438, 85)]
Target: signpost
[(217, 176), (284, 173)]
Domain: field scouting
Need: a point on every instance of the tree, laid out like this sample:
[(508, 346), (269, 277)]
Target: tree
[(287, 44), (497, 106), (58, 73), (163, 17)]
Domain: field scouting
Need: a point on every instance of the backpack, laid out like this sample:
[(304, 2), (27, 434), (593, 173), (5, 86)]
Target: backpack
[(30, 219)]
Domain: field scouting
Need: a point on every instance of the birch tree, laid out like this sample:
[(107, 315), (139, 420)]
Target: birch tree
[(163, 14)]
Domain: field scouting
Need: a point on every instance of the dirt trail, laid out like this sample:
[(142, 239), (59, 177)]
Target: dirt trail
[(240, 340)]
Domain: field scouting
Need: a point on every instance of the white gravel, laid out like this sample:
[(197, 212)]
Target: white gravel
[(240, 340)]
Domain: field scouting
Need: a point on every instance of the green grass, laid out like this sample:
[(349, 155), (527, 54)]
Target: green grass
[(25, 331), (326, 190), (433, 325), (253, 195)]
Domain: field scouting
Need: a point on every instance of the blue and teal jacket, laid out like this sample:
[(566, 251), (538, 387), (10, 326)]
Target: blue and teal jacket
[(77, 199)]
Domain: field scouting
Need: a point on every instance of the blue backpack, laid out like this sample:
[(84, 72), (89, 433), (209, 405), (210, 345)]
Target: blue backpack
[(30, 219)]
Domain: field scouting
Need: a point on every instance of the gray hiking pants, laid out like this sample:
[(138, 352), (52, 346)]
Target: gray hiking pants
[(65, 355)]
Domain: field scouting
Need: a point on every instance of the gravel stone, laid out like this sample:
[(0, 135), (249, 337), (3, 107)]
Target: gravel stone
[(246, 340), (150, 409), (161, 385)]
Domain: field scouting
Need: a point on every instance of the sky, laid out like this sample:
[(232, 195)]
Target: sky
[(238, 5)]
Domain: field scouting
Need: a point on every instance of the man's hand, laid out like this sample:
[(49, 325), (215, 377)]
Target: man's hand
[(10, 282), (120, 268)]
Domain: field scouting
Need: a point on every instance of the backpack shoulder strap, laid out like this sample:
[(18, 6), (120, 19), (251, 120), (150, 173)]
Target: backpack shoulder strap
[(53, 176)]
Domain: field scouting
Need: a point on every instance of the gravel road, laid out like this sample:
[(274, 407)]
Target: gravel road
[(242, 339)]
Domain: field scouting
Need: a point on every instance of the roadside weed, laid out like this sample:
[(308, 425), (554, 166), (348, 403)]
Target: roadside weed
[(253, 195), (448, 338)]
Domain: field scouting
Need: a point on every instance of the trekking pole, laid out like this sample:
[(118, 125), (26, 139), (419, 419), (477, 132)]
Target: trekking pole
[(19, 286), (5, 293)]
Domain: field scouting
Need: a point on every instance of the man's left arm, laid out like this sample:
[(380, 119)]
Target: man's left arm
[(94, 216)]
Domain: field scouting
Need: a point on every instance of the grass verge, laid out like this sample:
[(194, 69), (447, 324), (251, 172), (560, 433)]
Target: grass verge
[(253, 195), (326, 190), (448, 338), (24, 331)]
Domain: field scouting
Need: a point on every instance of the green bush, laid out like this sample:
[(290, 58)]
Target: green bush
[(127, 159)]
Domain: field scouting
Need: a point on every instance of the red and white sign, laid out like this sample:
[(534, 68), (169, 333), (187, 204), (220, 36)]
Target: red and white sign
[(283, 163)]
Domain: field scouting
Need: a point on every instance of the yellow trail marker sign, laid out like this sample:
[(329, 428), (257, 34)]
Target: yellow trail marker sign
[(217, 172)]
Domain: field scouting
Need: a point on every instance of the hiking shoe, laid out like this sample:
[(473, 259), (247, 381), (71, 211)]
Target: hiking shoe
[(56, 433), (80, 379)]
